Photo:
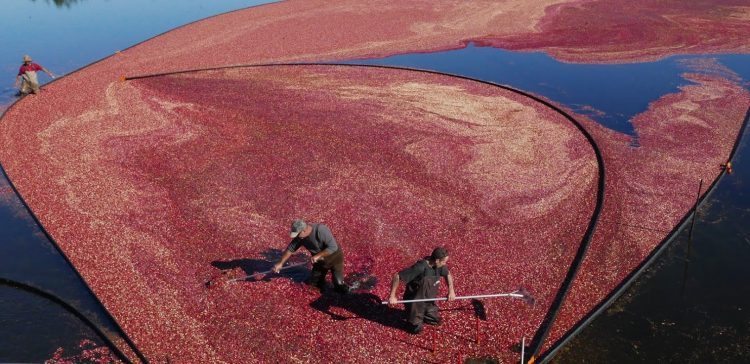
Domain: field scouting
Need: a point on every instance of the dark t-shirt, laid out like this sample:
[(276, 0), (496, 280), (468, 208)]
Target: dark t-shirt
[(413, 275), (320, 239)]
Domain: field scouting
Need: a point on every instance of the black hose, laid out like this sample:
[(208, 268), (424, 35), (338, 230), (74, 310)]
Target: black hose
[(650, 259), (60, 302), (122, 333)]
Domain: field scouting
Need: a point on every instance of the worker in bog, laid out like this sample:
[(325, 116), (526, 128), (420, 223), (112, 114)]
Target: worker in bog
[(27, 80), (422, 281), (325, 253)]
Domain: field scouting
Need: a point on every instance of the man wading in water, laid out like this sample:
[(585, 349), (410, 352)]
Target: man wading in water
[(27, 76), (325, 254), (422, 281)]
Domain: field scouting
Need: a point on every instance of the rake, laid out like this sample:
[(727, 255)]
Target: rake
[(266, 272), (212, 281), (520, 294)]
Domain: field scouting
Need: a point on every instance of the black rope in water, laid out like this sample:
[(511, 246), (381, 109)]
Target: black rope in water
[(60, 302), (52, 241)]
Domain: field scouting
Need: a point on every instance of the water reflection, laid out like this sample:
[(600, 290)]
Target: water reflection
[(684, 308), (24, 312), (61, 3), (611, 94)]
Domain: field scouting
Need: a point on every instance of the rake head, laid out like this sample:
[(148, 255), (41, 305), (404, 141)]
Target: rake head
[(527, 297), (214, 280), (479, 310)]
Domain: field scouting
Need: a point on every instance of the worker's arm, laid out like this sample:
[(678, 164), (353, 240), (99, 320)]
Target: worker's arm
[(277, 267), (451, 291), (18, 81), (50, 74), (323, 253), (394, 286)]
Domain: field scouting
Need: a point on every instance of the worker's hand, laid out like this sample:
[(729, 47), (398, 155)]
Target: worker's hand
[(451, 296), (277, 267), (315, 258), (392, 300)]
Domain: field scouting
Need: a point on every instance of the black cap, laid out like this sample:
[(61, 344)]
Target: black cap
[(439, 253)]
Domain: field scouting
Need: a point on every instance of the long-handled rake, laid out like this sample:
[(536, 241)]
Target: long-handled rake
[(213, 280), (266, 272), (520, 294)]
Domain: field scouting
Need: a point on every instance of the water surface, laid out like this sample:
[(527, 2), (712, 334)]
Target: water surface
[(611, 94)]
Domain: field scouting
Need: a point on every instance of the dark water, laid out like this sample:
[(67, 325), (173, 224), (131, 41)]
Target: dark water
[(32, 328), (29, 323), (672, 313), (685, 308)]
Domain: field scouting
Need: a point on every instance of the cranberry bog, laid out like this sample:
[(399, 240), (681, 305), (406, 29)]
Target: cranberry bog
[(185, 157), (428, 175)]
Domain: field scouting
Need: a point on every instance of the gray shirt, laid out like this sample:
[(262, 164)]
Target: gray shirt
[(319, 239)]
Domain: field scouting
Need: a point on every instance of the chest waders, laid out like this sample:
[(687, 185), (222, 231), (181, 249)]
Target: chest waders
[(422, 312), (29, 82), (334, 263)]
